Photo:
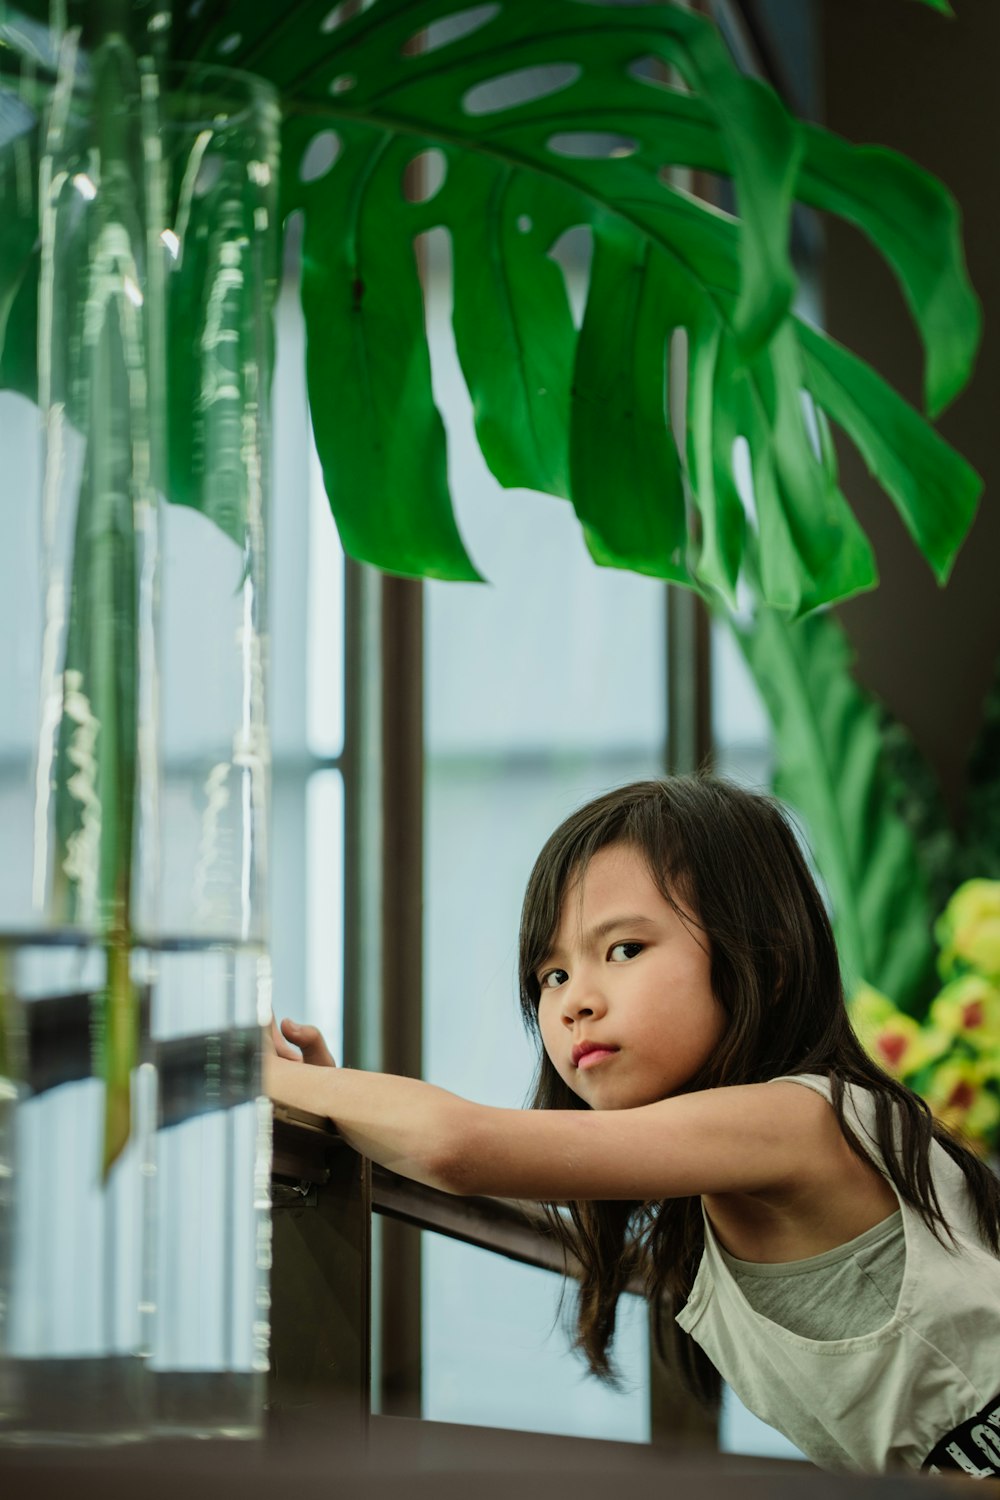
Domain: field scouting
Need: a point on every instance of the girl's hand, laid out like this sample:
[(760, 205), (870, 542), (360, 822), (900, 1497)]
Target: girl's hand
[(275, 1044), (307, 1044)]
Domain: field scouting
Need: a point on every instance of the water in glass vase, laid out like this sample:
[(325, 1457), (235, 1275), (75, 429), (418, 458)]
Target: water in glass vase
[(133, 1300)]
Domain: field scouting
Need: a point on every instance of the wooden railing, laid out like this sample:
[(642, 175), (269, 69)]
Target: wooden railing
[(323, 1197)]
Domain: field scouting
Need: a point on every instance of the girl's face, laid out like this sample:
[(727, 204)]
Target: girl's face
[(626, 1012)]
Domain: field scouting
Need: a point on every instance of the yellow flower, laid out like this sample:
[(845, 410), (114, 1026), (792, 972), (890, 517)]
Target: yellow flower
[(970, 1008), (897, 1042), (968, 929), (958, 1098)]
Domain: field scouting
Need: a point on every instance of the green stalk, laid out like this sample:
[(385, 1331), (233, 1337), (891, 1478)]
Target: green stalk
[(6, 1022), (97, 757), (115, 658)]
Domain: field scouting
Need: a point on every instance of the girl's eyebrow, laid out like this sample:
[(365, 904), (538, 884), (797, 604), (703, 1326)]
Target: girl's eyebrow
[(633, 921)]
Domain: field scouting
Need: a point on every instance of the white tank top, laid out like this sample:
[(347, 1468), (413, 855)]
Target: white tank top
[(880, 1400)]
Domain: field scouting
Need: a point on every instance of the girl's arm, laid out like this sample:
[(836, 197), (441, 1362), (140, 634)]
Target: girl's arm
[(751, 1138), (402, 1123)]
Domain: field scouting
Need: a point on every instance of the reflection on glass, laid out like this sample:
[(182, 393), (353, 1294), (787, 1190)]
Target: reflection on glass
[(741, 730), (133, 977)]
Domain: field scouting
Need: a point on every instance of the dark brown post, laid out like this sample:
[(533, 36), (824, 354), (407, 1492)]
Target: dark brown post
[(319, 1379)]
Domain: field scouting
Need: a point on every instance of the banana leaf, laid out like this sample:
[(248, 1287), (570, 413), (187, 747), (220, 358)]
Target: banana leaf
[(547, 118), (832, 770), (883, 837)]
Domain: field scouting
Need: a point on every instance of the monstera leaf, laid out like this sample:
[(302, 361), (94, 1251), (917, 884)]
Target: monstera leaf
[(568, 115), (18, 249)]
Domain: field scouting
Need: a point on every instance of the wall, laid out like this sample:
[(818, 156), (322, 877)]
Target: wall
[(897, 73)]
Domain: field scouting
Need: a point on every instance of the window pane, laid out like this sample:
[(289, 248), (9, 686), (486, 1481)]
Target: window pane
[(543, 688), (553, 653), (307, 933), (307, 707), (486, 820), (306, 568), (325, 627), (324, 1000), (501, 1357), (741, 730)]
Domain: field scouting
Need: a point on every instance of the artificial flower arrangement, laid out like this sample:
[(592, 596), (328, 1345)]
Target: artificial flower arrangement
[(951, 1057)]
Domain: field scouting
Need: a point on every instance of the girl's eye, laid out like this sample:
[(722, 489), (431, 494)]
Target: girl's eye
[(622, 952), (553, 979)]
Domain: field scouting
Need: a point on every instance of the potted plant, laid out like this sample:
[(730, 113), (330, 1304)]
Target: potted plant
[(540, 119)]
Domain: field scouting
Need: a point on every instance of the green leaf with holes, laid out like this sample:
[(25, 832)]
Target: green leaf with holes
[(379, 435), (584, 413), (811, 546), (935, 491), (914, 222), (517, 177), (565, 116), (18, 234), (620, 442)]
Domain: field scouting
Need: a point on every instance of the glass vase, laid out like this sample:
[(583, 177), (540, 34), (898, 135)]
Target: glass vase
[(134, 975)]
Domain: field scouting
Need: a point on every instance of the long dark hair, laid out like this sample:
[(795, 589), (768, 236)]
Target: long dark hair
[(733, 858)]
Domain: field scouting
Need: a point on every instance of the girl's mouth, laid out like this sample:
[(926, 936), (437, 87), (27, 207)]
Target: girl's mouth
[(596, 1055)]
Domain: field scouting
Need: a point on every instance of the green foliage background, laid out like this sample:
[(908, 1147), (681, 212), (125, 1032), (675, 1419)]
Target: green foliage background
[(579, 413)]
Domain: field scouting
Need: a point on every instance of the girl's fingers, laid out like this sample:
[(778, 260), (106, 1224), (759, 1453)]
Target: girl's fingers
[(310, 1042), (276, 1045)]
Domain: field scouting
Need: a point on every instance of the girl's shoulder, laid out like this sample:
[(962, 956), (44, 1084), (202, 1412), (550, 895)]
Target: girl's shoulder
[(819, 1082), (859, 1102), (885, 1125), (833, 1197)]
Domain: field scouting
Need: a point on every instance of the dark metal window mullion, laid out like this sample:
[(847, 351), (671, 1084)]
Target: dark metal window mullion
[(675, 1416), (402, 961), (689, 683), (383, 912)]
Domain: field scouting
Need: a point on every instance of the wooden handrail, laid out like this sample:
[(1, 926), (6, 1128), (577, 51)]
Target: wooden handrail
[(506, 1226), (302, 1147), (518, 1231), (324, 1195)]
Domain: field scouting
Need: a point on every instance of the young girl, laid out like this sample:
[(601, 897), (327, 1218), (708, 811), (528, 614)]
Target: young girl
[(705, 1112)]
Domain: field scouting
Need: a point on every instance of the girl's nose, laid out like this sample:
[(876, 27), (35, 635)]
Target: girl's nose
[(581, 1005)]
